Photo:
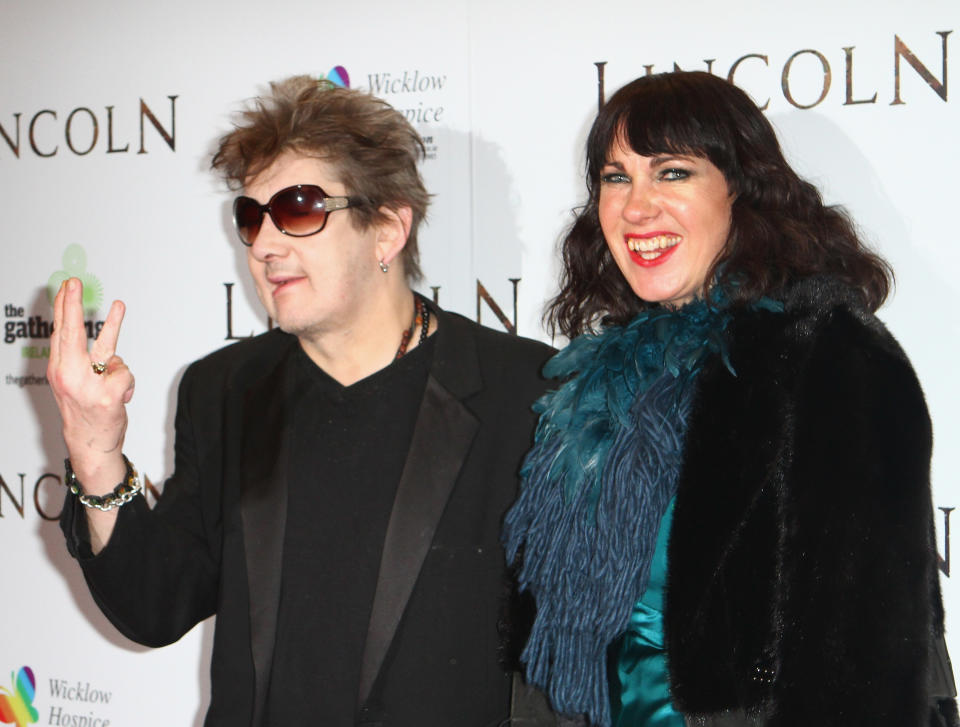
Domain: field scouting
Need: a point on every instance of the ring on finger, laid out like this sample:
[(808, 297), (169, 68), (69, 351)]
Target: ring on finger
[(98, 367)]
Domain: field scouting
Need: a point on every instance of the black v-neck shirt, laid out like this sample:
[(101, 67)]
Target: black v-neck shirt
[(347, 451)]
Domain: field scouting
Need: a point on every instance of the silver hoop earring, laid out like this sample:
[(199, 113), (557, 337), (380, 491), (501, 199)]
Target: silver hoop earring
[(383, 266)]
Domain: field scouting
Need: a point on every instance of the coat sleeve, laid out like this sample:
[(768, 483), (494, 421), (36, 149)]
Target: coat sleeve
[(158, 575), (861, 599)]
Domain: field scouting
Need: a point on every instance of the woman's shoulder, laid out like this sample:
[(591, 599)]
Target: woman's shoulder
[(818, 313), (827, 343), (824, 343)]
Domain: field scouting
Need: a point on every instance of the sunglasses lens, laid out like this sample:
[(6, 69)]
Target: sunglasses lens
[(247, 216), (299, 210)]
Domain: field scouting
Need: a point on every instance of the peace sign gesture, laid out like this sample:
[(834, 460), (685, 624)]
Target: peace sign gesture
[(91, 388)]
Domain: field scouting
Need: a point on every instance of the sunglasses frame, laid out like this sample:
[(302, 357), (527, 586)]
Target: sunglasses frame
[(330, 204)]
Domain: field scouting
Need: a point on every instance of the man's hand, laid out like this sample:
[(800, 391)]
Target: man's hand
[(92, 406)]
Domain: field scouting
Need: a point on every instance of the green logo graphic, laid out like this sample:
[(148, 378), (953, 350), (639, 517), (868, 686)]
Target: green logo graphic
[(75, 266)]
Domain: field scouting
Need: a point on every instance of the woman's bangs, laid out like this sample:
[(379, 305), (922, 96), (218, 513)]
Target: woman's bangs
[(661, 128)]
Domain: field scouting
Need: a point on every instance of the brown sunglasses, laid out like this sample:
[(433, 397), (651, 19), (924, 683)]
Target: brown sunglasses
[(298, 211)]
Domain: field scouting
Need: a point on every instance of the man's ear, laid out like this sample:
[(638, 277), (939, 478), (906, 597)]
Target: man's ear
[(392, 232)]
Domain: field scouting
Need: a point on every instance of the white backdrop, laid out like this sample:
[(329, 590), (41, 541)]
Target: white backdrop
[(504, 92)]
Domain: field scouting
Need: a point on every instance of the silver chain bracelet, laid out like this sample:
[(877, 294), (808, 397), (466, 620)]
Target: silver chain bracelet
[(121, 495)]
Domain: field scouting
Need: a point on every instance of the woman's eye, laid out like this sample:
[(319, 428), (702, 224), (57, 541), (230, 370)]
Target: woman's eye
[(614, 178), (674, 173)]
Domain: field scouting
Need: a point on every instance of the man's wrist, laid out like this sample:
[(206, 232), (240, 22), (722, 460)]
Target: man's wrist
[(128, 488)]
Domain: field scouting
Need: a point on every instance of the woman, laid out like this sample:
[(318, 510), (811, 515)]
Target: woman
[(726, 517)]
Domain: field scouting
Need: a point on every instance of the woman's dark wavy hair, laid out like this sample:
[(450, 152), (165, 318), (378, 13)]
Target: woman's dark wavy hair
[(780, 229)]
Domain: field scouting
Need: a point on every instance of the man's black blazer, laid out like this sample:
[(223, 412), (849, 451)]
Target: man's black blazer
[(213, 544)]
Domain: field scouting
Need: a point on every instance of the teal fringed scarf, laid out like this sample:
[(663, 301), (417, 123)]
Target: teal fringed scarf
[(601, 473)]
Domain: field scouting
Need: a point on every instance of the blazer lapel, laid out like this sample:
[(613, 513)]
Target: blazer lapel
[(442, 436), (263, 508)]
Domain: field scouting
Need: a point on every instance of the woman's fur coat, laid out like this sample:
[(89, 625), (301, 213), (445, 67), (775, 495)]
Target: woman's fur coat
[(802, 581)]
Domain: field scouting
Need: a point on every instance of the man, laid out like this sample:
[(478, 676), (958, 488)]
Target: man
[(340, 480)]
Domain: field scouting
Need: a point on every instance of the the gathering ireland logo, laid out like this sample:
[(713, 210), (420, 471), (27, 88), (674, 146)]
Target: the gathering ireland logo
[(75, 266)]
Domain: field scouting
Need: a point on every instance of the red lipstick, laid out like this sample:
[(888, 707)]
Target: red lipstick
[(663, 254)]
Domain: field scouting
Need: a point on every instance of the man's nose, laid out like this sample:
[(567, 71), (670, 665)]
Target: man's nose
[(269, 241)]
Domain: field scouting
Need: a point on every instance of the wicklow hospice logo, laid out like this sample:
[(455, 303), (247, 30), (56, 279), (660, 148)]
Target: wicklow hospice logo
[(16, 706), (338, 76), (80, 696), (416, 93)]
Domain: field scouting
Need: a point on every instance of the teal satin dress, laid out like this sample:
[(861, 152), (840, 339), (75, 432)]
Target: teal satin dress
[(639, 685)]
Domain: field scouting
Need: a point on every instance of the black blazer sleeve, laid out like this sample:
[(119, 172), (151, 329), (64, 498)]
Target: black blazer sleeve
[(157, 576)]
